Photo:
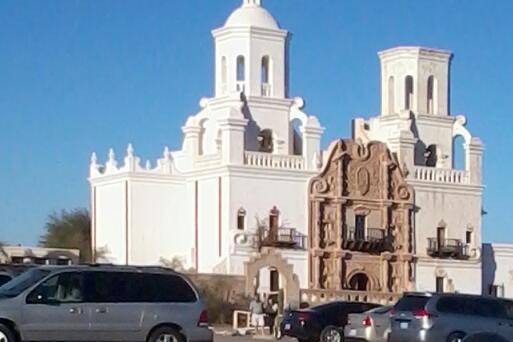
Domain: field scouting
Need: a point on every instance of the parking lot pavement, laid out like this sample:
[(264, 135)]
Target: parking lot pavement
[(221, 338)]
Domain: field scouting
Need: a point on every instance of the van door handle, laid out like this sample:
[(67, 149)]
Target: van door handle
[(75, 311), (101, 310)]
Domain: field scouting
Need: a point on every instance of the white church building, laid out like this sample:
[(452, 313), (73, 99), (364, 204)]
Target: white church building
[(240, 181)]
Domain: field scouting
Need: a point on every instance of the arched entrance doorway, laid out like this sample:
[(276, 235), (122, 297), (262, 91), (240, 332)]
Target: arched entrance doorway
[(359, 282), (271, 274)]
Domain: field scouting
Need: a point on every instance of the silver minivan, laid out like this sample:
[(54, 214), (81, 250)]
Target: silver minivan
[(102, 303), (437, 317)]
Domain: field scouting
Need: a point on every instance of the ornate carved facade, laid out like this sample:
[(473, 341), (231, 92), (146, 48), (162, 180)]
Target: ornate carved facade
[(360, 209)]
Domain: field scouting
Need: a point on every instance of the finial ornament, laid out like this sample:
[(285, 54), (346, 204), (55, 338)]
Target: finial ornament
[(130, 150), (94, 159), (167, 153), (112, 155), (251, 2)]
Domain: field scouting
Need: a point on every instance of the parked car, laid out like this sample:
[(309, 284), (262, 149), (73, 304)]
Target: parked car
[(449, 317), (102, 303), (324, 322), (485, 337), (370, 326), (4, 278)]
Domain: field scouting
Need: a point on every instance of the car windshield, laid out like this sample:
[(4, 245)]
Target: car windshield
[(19, 284)]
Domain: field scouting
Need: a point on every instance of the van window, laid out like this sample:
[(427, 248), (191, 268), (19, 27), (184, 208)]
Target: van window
[(129, 287), (411, 303), (508, 305), (61, 288), (23, 282)]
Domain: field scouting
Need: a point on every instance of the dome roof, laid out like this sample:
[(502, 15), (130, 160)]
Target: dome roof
[(252, 14)]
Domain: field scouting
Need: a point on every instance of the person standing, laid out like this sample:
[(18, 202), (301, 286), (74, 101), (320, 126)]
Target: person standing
[(272, 312), (256, 308)]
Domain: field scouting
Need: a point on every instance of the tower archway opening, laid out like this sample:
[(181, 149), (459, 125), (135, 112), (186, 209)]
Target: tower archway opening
[(408, 92)]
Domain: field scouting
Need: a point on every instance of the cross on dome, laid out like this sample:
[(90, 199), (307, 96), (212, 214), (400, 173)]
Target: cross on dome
[(251, 2)]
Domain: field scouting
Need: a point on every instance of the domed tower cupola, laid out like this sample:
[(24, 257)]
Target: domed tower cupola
[(251, 53)]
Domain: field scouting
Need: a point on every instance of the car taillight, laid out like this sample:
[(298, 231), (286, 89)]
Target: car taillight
[(203, 319), (367, 321), (421, 313), (303, 316)]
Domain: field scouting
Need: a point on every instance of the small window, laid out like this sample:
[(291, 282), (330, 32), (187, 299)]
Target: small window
[(408, 92), (265, 70), (241, 69), (468, 237), (241, 219), (440, 284), (360, 222), (431, 95)]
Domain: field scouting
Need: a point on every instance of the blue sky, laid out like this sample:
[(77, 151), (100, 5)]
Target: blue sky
[(78, 76)]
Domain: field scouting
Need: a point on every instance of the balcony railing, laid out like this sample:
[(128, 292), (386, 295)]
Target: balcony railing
[(267, 90), (272, 161), (447, 248), (366, 240), (432, 174), (282, 238), (316, 297)]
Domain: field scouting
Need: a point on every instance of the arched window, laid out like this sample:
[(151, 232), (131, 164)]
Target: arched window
[(296, 136), (458, 153), (391, 95), (266, 76), (265, 141), (223, 74), (241, 69), (431, 95), (431, 156), (408, 92)]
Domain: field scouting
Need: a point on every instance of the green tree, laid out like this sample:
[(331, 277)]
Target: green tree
[(69, 229)]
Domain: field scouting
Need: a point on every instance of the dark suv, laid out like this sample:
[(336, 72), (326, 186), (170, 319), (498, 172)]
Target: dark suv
[(449, 317), (324, 322), (102, 303)]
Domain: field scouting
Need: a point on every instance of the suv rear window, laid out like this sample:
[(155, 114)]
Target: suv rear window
[(411, 303)]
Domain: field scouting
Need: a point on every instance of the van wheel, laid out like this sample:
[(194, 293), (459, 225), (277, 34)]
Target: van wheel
[(165, 334), (6, 334), (456, 337), (331, 334)]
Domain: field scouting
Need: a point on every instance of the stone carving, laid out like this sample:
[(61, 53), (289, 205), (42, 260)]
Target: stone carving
[(360, 181)]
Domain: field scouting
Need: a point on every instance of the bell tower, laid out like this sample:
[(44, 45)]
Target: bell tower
[(251, 53), (415, 79)]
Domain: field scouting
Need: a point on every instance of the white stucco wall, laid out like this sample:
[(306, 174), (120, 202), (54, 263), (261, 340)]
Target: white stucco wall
[(110, 220), (159, 227), (498, 268)]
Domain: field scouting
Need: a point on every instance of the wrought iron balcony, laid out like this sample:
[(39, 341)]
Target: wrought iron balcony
[(447, 248), (282, 238), (369, 240)]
